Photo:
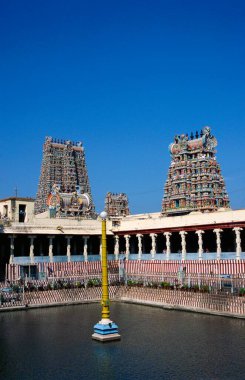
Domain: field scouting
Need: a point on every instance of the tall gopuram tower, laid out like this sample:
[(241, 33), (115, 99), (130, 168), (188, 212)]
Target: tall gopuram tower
[(194, 180), (116, 204), (63, 168)]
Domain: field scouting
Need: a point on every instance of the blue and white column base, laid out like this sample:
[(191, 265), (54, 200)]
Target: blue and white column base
[(106, 330)]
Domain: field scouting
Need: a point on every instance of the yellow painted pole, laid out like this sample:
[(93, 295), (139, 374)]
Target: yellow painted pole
[(105, 292), (105, 330)]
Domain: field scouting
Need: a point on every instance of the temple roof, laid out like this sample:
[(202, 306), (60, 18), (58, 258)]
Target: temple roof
[(182, 143)]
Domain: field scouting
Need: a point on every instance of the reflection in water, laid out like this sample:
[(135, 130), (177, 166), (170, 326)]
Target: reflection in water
[(103, 355), (157, 344)]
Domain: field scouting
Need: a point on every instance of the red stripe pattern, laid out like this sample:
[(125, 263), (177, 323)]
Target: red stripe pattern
[(140, 267), (230, 267)]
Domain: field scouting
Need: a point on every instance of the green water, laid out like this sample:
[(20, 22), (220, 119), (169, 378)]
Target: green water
[(56, 343)]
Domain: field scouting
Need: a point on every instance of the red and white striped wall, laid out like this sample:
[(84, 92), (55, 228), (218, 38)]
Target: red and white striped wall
[(73, 269), (231, 267)]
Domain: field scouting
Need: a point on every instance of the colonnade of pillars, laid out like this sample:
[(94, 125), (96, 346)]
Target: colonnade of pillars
[(183, 234), (167, 235), (51, 247)]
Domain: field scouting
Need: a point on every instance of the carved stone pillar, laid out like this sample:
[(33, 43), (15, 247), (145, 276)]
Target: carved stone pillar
[(116, 247), (237, 231), (153, 245), (183, 244), (127, 237), (200, 242), (11, 258), (31, 253), (217, 231), (50, 248), (68, 248), (85, 248), (168, 245), (139, 236)]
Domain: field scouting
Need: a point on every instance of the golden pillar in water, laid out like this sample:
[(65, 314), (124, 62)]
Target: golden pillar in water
[(105, 330), (105, 287)]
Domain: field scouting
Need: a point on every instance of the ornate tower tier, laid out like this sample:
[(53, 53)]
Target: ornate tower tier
[(64, 167), (116, 204), (194, 180)]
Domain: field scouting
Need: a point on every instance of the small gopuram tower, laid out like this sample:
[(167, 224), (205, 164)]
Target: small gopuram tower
[(63, 166), (116, 205), (194, 180)]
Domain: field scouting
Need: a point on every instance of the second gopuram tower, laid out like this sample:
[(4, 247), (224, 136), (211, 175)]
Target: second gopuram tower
[(63, 168), (194, 180), (116, 204)]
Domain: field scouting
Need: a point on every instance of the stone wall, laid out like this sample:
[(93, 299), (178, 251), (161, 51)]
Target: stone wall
[(224, 304), (195, 301)]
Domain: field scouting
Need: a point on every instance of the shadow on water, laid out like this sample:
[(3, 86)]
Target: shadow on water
[(158, 344)]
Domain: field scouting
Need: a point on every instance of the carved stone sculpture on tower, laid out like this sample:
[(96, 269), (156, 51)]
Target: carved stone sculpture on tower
[(116, 205), (64, 171), (194, 180)]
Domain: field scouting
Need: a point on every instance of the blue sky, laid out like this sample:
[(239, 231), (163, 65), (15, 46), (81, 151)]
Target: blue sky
[(123, 77)]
